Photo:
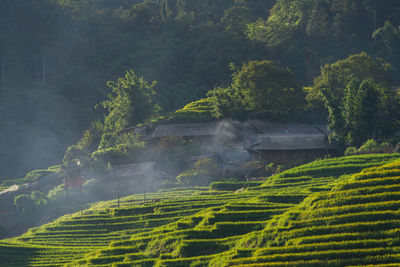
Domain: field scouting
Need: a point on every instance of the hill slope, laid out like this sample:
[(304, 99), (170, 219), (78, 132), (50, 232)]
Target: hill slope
[(355, 223), (315, 207)]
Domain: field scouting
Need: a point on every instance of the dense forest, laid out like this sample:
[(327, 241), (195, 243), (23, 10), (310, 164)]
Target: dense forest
[(339, 58)]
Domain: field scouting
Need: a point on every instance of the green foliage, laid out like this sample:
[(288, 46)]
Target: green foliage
[(360, 112), (227, 103), (130, 102), (259, 89), (208, 165), (194, 177), (351, 151), (107, 140), (77, 157), (186, 45), (285, 20), (197, 111), (353, 106), (203, 172), (311, 33), (235, 20), (336, 76), (371, 146), (23, 202), (31, 177), (57, 193), (123, 148), (274, 169), (30, 203), (103, 157), (389, 36)]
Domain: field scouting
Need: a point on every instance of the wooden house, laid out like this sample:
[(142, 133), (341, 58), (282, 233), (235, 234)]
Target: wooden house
[(195, 131), (269, 141), (288, 142)]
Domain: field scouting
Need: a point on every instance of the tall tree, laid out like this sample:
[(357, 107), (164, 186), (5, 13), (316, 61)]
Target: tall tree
[(353, 106), (130, 102), (262, 90), (361, 112)]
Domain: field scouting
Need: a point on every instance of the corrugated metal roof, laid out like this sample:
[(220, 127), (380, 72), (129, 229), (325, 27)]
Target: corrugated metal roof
[(130, 170), (188, 130), (256, 134), (288, 136), (263, 127), (291, 141)]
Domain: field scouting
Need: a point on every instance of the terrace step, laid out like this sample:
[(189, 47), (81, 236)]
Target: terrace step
[(327, 255)]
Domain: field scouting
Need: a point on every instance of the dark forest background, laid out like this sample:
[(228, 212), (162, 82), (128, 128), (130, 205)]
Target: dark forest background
[(56, 56)]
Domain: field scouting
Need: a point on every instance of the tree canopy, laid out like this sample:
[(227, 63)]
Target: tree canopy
[(358, 94), (261, 89), (129, 103)]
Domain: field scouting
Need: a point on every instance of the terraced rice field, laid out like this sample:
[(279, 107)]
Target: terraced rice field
[(329, 212), (356, 223)]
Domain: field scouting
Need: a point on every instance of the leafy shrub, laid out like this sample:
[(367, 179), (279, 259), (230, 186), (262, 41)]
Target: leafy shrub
[(194, 177), (107, 140), (23, 202), (37, 174), (208, 165), (272, 168), (57, 193), (351, 151), (120, 154), (252, 169), (109, 154), (30, 203), (370, 146), (204, 171)]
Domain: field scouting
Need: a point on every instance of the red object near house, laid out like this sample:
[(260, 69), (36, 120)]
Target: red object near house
[(73, 182)]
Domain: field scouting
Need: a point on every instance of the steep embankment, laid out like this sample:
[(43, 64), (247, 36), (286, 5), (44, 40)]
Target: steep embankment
[(199, 226)]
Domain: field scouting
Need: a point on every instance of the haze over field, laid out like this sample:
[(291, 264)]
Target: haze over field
[(199, 133)]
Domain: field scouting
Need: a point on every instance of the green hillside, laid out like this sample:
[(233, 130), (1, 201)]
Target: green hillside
[(332, 211), (356, 223), (202, 118)]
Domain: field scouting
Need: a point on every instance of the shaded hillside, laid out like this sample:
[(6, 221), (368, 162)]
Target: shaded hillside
[(56, 56)]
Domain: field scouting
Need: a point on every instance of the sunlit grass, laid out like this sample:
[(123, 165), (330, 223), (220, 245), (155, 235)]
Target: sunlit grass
[(300, 217)]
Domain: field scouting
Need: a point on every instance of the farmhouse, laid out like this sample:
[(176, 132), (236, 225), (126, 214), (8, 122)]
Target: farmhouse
[(271, 141), (196, 131), (288, 142), (224, 132)]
